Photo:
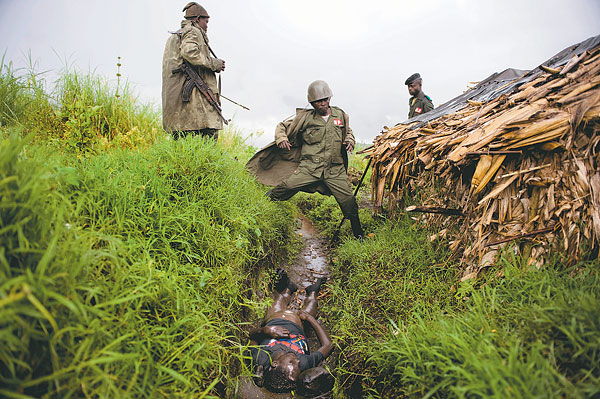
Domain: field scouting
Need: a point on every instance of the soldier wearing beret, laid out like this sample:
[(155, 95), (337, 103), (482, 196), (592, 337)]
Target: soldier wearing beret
[(419, 103)]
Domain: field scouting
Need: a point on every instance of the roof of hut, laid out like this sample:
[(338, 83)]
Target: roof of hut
[(516, 159)]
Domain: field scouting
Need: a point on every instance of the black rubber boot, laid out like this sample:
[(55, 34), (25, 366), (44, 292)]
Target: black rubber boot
[(357, 228), (349, 208), (281, 280)]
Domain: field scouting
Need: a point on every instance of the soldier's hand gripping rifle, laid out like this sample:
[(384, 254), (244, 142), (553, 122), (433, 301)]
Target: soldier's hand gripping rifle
[(194, 80)]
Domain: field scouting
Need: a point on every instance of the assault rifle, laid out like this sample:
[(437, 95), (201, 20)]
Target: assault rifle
[(194, 80)]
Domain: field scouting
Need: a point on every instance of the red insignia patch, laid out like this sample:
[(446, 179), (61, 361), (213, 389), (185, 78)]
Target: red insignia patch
[(418, 110), (337, 122)]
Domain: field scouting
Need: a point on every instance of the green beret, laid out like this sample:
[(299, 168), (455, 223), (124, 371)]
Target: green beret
[(412, 78)]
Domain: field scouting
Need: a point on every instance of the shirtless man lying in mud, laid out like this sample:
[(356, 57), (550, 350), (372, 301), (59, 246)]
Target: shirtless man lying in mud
[(282, 353)]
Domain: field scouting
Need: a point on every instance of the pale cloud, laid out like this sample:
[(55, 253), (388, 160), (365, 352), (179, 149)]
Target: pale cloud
[(274, 48)]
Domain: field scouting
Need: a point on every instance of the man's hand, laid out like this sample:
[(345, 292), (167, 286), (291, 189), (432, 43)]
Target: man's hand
[(349, 147), (277, 332), (285, 145), (222, 67), (304, 315)]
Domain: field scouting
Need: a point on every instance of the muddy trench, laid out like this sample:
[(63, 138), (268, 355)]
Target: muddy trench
[(310, 264)]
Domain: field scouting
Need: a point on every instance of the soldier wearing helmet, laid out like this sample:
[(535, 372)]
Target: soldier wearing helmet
[(195, 116), (310, 153), (419, 103)]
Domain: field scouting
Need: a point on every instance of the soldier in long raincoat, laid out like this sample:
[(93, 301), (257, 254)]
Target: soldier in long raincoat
[(190, 43)]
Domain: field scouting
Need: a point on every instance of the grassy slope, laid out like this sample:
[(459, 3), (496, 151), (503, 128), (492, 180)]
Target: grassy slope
[(127, 272), (124, 270)]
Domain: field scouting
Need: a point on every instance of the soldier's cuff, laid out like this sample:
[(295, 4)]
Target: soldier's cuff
[(217, 64)]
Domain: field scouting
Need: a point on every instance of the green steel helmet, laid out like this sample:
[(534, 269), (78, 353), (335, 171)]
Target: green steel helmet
[(318, 90), (194, 9)]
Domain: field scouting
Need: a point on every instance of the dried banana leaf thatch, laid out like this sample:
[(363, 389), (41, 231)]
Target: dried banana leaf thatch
[(523, 167)]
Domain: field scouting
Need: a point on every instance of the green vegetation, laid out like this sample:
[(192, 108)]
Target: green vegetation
[(124, 272), (406, 327), (83, 112), (533, 334)]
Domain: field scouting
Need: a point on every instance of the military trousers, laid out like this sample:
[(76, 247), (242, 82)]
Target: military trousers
[(335, 178), (212, 133)]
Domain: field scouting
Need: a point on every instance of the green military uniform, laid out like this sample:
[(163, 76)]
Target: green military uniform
[(419, 104), (197, 115), (323, 159)]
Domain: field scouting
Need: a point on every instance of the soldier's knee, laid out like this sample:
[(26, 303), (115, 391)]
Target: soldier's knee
[(276, 194), (281, 193)]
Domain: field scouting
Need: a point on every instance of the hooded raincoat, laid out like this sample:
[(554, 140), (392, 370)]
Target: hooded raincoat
[(189, 43)]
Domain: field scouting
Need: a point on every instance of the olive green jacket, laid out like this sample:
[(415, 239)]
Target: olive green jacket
[(272, 165), (419, 104), (190, 43)]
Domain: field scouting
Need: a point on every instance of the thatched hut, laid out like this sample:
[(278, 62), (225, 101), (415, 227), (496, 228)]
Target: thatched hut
[(514, 160)]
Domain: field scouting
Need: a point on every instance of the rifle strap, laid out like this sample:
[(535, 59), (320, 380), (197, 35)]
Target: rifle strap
[(214, 55)]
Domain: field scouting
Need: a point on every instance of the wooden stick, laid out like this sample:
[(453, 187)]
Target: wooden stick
[(531, 233), (365, 149), (518, 172), (435, 209), (478, 153)]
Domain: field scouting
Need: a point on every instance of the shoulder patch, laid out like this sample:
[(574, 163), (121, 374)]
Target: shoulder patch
[(427, 97)]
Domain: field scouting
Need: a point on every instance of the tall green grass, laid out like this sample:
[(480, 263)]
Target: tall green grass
[(533, 334), (19, 90), (97, 114), (80, 112), (393, 275), (127, 274)]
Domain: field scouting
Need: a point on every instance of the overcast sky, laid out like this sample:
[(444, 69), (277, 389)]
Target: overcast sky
[(274, 49)]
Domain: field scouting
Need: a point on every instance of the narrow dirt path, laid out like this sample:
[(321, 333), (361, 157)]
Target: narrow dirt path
[(310, 265)]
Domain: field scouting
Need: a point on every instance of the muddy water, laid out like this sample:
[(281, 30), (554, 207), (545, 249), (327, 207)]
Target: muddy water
[(310, 265), (312, 262)]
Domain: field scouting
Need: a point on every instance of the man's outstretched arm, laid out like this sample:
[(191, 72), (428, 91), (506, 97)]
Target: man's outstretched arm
[(326, 343)]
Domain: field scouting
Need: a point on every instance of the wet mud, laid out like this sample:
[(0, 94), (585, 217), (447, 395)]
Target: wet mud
[(310, 265)]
